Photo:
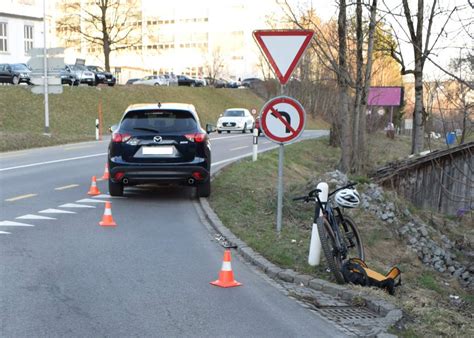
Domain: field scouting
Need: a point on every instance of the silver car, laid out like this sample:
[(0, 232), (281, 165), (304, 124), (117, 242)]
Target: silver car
[(153, 80), (82, 73)]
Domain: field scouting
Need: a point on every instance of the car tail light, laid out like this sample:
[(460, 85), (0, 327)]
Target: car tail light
[(196, 137), (118, 176), (197, 175), (117, 137)]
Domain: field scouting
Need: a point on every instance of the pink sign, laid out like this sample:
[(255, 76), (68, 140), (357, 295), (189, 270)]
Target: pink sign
[(385, 96)]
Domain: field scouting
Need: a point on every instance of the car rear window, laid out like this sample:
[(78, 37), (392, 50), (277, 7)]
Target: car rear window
[(159, 121), (235, 113)]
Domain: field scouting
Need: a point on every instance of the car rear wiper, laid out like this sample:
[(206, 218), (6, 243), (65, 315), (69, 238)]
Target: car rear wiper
[(147, 129)]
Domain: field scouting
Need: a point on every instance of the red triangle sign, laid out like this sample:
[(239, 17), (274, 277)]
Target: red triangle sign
[(283, 49)]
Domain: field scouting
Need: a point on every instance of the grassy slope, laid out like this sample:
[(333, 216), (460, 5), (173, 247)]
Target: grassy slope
[(252, 218), (73, 113)]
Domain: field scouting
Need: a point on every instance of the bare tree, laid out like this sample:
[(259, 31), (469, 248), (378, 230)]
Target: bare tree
[(214, 64), (422, 47), (336, 54), (108, 24)]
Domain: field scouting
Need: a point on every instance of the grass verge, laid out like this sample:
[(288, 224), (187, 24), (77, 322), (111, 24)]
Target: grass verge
[(73, 113), (244, 197)]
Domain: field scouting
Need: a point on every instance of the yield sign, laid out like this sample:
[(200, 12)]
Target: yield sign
[(282, 119), (283, 49)]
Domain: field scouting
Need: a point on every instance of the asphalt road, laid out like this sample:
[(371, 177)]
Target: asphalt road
[(64, 275)]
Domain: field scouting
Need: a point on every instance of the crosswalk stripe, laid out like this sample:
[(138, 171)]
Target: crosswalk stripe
[(90, 200), (30, 216), (55, 211), (14, 224), (73, 205)]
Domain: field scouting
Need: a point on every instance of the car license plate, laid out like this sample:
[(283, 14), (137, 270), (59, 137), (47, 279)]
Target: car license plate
[(157, 150)]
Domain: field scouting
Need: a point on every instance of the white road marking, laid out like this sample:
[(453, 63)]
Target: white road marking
[(73, 205), (107, 196), (67, 187), (30, 216), (90, 200), (55, 211), (14, 224), (51, 162), (238, 148), (20, 197), (4, 233)]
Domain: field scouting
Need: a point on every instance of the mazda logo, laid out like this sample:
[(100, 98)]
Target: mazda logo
[(157, 139)]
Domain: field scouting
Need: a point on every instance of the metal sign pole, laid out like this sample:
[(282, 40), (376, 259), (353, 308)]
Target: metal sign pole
[(280, 178), (45, 65)]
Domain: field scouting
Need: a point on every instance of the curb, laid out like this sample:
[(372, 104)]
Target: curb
[(390, 313)]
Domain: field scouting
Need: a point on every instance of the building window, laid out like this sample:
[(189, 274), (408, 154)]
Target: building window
[(3, 37), (28, 38)]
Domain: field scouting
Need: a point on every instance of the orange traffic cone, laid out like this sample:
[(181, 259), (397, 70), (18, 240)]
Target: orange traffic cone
[(93, 191), (107, 220), (106, 172), (226, 275)]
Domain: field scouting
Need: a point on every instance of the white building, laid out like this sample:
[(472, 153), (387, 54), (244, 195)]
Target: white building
[(181, 37), (21, 28)]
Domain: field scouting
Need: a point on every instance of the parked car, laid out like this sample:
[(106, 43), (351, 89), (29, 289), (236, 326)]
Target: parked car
[(152, 80), (82, 73), (220, 83), (101, 76), (200, 82), (235, 119), (131, 81), (233, 84), (184, 80), (172, 79), (250, 82), (68, 77), (14, 73), (160, 143)]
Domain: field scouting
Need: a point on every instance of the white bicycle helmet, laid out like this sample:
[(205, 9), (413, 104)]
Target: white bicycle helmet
[(347, 198)]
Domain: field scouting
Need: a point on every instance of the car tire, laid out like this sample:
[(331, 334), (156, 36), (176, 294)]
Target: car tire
[(15, 80), (204, 189), (245, 129), (115, 189), (219, 131), (228, 131), (156, 84), (193, 85), (111, 84)]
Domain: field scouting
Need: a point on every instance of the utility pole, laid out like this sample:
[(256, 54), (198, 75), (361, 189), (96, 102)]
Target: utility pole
[(45, 82)]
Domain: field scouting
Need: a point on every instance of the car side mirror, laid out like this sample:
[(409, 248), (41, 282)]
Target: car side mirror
[(210, 128), (220, 115), (113, 128)]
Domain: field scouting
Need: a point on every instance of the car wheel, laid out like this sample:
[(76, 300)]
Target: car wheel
[(111, 84), (228, 131), (219, 131), (204, 189), (15, 80), (156, 84), (245, 129), (193, 85), (115, 189)]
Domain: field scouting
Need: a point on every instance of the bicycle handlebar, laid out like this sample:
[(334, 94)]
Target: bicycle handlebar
[(315, 192)]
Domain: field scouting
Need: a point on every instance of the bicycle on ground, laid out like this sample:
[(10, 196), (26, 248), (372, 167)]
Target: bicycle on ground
[(340, 239)]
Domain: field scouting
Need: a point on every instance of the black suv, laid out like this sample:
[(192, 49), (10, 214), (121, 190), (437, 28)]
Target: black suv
[(15, 73), (101, 76), (160, 143)]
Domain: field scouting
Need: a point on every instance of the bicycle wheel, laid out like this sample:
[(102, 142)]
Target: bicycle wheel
[(352, 238), (328, 243)]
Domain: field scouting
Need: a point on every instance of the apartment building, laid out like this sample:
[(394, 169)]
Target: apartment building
[(181, 37), (21, 28)]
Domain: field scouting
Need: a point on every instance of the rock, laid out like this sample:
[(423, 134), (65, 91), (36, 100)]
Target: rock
[(423, 231), (406, 213), (391, 214), (384, 217), (465, 275), (412, 240), (403, 230), (457, 273), (451, 269), (437, 252)]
